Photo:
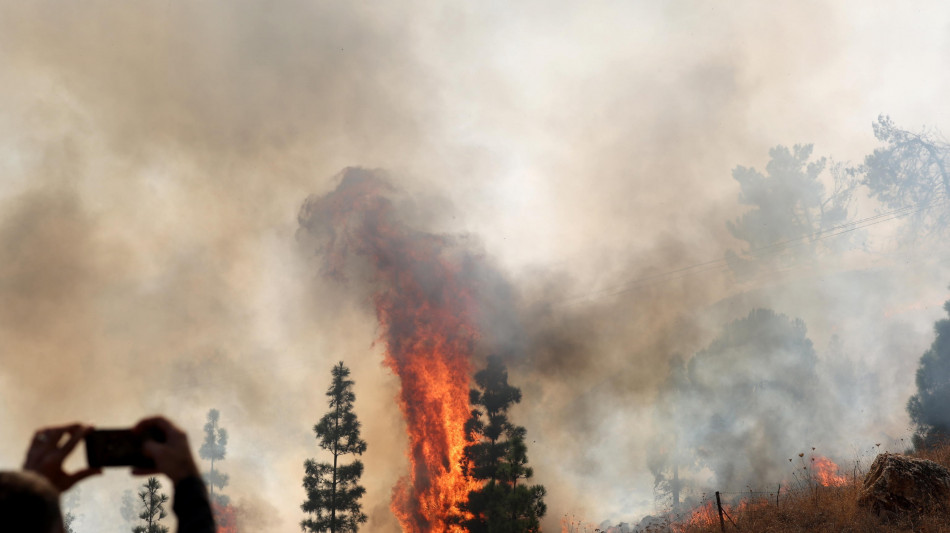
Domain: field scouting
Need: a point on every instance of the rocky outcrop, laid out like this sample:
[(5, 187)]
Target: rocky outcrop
[(897, 484)]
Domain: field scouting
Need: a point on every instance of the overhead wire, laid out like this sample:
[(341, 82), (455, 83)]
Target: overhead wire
[(722, 264)]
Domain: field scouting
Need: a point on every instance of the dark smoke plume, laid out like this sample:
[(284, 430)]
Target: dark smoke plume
[(427, 291)]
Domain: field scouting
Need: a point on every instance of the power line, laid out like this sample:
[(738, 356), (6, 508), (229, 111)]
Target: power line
[(721, 264)]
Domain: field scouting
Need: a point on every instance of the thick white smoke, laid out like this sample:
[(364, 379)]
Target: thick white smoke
[(154, 155)]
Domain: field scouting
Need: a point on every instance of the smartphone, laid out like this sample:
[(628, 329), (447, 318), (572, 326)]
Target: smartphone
[(118, 447)]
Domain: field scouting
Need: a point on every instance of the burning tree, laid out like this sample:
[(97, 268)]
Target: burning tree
[(929, 409), (153, 507), (213, 448), (332, 491), (497, 459), (428, 292)]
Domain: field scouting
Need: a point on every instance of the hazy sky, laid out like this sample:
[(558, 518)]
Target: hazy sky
[(154, 155)]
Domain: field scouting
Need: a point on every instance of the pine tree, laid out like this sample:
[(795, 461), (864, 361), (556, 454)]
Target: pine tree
[(70, 502), (213, 448), (911, 173), (153, 507), (498, 457), (332, 491), (789, 205), (929, 409)]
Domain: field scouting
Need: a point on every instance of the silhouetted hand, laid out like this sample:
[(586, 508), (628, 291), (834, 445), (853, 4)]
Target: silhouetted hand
[(173, 456), (48, 451)]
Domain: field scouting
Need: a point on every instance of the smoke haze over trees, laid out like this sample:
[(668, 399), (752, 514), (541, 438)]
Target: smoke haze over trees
[(929, 408), (745, 404), (154, 156), (791, 211), (213, 449), (911, 172)]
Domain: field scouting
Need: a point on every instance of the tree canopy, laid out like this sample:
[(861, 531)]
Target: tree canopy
[(752, 397), (153, 508), (333, 492), (911, 172), (929, 409), (498, 458), (791, 210), (213, 448)]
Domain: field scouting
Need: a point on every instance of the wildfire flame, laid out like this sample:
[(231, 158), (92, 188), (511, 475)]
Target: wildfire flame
[(224, 518), (702, 516), (825, 472), (707, 515), (425, 310)]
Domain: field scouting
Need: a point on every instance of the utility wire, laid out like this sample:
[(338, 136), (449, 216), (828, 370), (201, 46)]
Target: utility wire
[(721, 264)]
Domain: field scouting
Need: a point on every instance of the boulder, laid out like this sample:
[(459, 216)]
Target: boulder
[(898, 484)]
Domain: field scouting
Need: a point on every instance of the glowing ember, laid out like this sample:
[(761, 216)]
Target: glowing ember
[(424, 307), (224, 518), (825, 472)]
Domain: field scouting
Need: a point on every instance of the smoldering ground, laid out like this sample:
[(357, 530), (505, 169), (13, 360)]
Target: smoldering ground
[(154, 157)]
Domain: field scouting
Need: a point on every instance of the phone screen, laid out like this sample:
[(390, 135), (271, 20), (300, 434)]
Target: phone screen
[(116, 447)]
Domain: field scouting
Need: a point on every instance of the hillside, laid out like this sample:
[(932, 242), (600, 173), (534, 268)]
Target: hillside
[(817, 508)]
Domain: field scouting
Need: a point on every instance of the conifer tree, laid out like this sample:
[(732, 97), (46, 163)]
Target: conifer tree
[(213, 449), (153, 508), (70, 502), (929, 409), (498, 458), (911, 173), (332, 491)]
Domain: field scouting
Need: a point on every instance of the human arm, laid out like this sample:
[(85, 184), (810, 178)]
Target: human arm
[(173, 458)]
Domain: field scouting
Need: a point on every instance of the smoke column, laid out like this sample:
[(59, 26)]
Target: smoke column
[(154, 156), (425, 306)]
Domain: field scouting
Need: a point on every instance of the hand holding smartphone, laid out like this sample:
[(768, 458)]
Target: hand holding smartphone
[(120, 447)]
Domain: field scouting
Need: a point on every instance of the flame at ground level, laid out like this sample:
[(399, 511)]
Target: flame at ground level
[(424, 289), (704, 515), (430, 338), (225, 518), (707, 514), (825, 472), (434, 400)]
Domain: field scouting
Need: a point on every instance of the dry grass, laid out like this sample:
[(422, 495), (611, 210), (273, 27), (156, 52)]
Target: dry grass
[(817, 509)]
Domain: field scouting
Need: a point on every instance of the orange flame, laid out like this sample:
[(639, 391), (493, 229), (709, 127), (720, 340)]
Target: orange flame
[(431, 357), (825, 472), (706, 515), (425, 309), (224, 518)]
